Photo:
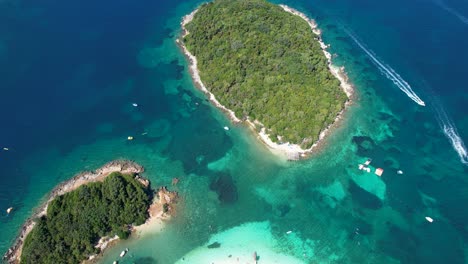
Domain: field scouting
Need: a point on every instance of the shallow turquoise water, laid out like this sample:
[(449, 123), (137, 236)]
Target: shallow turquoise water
[(78, 114)]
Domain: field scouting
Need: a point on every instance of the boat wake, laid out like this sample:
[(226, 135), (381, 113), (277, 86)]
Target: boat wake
[(450, 131), (445, 122), (457, 143), (452, 11), (388, 71)]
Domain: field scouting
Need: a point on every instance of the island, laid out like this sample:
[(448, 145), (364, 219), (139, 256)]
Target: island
[(83, 215), (267, 65)]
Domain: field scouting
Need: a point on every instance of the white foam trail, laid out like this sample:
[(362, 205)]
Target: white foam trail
[(389, 72), (451, 11), (457, 143), (450, 131)]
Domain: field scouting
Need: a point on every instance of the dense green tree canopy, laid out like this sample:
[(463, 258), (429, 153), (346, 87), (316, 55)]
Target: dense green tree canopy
[(267, 65), (76, 220)]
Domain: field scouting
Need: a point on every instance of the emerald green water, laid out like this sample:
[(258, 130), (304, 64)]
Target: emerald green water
[(233, 190)]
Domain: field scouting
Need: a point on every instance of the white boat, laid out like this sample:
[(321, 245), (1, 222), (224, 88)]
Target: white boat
[(399, 172), (430, 220), (115, 262), (123, 253), (135, 104), (5, 149), (226, 128), (289, 232), (9, 210)]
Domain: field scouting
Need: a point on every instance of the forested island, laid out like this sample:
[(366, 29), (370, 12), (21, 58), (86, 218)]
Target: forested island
[(83, 215), (264, 63)]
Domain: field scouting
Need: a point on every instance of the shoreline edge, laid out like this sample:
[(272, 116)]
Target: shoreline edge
[(13, 255), (283, 150)]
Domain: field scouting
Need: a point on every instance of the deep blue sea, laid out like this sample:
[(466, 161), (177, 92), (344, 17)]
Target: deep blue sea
[(70, 72)]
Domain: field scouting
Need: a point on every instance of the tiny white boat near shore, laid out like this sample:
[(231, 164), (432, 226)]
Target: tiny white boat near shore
[(9, 210), (226, 128), (122, 254)]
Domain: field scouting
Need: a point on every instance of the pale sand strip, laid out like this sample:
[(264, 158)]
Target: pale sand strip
[(153, 225), (284, 150)]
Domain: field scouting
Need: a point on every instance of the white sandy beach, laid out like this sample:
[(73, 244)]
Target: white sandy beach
[(237, 245), (284, 150)]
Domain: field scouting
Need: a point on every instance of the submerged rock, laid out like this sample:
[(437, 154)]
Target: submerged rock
[(364, 144), (145, 260), (214, 245), (363, 197), (225, 187), (283, 209)]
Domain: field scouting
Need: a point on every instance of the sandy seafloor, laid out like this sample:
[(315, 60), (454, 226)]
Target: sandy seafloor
[(70, 73)]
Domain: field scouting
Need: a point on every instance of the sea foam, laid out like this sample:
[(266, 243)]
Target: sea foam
[(388, 71)]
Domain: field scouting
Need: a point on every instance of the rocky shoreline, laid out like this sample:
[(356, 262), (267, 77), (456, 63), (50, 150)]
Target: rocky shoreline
[(161, 209), (12, 256), (194, 70), (284, 150), (294, 151)]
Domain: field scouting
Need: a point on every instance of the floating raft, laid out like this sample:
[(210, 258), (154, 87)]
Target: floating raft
[(379, 172), (365, 167)]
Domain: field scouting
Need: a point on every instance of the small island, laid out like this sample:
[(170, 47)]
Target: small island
[(84, 215), (267, 65)]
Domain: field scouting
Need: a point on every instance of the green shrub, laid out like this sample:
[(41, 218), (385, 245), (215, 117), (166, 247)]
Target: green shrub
[(78, 219), (264, 63)]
